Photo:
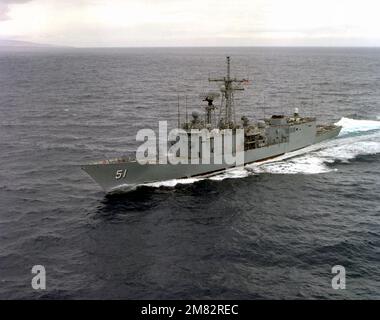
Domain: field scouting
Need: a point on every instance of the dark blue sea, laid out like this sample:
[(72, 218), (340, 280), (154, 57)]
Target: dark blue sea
[(271, 232)]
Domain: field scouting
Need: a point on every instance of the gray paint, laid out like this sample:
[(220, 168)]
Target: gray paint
[(104, 173)]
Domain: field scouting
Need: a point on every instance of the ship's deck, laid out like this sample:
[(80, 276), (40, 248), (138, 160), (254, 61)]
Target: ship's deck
[(115, 160), (323, 128)]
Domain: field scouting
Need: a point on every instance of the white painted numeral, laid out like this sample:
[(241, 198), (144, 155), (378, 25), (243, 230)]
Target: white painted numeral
[(120, 174)]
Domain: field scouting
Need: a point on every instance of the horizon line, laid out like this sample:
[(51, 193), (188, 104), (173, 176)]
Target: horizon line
[(53, 46), (39, 45)]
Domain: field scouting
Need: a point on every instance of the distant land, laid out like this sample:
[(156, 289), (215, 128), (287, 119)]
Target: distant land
[(6, 44), (16, 43)]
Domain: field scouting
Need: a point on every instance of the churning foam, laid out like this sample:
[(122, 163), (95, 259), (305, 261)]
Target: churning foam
[(172, 183), (354, 125), (310, 160)]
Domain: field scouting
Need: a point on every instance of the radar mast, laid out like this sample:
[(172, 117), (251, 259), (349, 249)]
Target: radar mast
[(227, 90)]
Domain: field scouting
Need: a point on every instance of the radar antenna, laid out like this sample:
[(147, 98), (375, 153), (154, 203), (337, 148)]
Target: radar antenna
[(227, 90), (209, 98)]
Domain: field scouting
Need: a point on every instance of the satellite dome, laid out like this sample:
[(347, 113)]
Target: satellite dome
[(261, 124)]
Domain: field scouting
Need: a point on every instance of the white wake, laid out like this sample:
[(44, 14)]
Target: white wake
[(354, 125)]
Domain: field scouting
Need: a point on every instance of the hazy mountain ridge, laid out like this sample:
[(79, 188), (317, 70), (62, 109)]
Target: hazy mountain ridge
[(6, 44), (17, 43)]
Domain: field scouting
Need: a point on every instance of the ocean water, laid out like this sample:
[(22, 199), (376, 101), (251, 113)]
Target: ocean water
[(268, 231)]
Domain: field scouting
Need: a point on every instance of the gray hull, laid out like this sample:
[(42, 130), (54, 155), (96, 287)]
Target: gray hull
[(134, 174)]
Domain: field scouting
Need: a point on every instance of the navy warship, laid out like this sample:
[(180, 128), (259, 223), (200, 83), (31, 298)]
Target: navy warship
[(264, 139)]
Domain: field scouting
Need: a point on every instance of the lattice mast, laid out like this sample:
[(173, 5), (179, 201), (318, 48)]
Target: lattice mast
[(227, 90)]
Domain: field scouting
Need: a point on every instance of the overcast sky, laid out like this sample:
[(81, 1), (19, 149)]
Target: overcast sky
[(192, 22)]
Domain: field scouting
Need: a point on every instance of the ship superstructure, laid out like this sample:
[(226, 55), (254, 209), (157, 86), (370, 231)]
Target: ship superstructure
[(264, 139)]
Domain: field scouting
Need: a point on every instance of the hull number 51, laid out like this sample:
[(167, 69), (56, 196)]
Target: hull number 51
[(120, 174)]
